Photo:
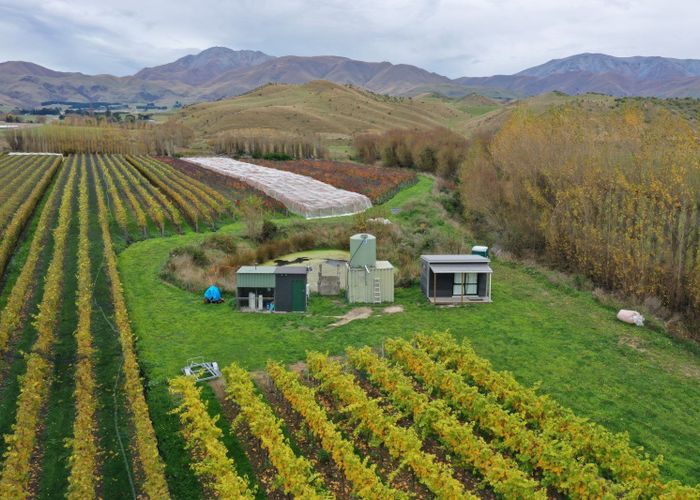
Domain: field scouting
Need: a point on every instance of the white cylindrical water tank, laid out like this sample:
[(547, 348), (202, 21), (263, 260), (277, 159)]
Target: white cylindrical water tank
[(363, 250)]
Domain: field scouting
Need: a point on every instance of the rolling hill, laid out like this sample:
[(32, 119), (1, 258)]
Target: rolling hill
[(329, 109), (383, 77), (25, 85)]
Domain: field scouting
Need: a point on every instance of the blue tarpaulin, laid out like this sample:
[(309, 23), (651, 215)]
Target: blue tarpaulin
[(213, 294)]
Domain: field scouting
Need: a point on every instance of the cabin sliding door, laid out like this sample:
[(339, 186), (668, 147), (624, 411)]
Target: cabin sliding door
[(465, 284)]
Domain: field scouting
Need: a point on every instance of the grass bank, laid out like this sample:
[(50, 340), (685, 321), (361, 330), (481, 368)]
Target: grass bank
[(626, 378)]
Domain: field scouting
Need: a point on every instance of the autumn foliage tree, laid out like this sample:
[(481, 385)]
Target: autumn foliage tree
[(262, 143), (251, 211), (438, 151), (613, 193), (91, 136)]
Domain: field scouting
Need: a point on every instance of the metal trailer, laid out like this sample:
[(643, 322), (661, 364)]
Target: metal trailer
[(201, 370)]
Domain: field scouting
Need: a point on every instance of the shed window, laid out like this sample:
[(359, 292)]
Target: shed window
[(465, 284)]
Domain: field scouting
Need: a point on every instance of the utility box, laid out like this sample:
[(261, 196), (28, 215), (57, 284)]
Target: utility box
[(480, 250)]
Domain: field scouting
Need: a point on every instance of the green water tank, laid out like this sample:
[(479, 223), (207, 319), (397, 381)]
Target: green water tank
[(480, 250), (363, 250)]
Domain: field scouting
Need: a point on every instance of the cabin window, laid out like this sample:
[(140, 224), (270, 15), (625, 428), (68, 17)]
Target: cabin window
[(465, 284)]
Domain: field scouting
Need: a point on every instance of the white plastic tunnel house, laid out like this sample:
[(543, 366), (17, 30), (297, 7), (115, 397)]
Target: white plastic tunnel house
[(301, 195)]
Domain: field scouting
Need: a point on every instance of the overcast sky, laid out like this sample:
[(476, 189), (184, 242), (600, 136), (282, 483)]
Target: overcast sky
[(451, 37)]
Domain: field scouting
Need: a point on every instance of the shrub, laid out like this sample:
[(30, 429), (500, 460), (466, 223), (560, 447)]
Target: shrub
[(252, 212), (277, 157), (223, 242), (269, 230), (439, 151), (301, 241), (197, 254)]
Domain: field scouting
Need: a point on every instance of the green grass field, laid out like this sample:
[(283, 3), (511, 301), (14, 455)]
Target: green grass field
[(627, 378)]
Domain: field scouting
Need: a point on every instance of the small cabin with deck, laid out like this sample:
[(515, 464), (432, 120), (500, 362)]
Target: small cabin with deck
[(456, 279)]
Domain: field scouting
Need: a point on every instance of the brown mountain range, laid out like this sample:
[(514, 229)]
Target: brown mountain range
[(219, 72)]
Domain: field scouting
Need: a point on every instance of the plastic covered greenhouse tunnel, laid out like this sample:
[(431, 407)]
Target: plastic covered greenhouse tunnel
[(301, 195)]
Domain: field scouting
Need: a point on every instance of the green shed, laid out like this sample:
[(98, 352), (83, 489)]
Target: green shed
[(371, 285), (290, 288), (253, 282)]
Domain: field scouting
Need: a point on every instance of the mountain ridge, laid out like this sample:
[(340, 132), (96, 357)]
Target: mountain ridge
[(196, 69), (639, 67), (647, 76), (219, 72)]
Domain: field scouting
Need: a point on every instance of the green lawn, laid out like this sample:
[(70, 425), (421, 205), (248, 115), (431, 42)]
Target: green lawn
[(626, 378), (419, 190)]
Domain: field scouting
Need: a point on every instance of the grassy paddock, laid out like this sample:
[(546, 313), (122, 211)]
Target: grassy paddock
[(626, 378)]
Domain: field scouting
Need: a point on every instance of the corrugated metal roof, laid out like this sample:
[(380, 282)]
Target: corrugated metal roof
[(291, 270), (460, 268), (256, 277), (455, 259), (256, 270)]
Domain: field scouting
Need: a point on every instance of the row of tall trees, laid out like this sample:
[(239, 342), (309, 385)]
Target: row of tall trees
[(612, 193), (272, 144), (103, 137), (439, 151)]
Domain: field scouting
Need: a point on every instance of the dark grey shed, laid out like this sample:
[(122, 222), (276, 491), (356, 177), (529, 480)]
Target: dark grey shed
[(290, 288), (455, 279)]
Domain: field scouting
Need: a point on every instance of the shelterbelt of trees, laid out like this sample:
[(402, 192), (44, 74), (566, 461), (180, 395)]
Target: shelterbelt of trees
[(613, 193), (90, 135)]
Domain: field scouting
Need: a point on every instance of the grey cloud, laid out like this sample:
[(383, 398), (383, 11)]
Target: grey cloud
[(452, 37)]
